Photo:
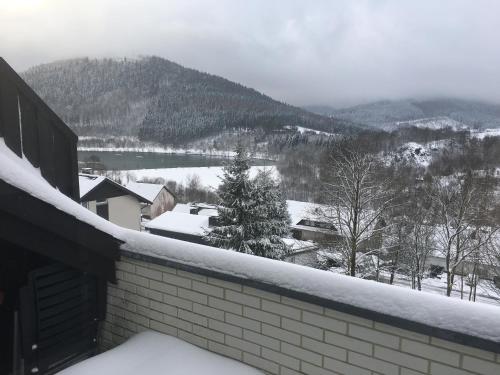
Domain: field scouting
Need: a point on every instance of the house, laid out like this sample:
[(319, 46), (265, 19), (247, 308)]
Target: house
[(303, 253), (112, 201), (181, 226), (54, 262), (308, 223), (161, 198)]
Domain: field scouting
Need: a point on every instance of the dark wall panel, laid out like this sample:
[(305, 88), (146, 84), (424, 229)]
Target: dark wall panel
[(9, 114), (62, 161), (29, 127), (47, 155)]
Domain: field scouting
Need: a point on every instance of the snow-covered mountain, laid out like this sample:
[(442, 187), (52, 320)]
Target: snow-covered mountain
[(426, 113), (160, 100)]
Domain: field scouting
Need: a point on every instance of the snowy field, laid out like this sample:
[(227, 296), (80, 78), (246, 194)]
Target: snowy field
[(209, 176)]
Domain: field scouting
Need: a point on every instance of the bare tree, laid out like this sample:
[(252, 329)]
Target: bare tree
[(356, 200), (460, 228)]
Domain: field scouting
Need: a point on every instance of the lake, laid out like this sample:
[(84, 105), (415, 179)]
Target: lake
[(122, 161)]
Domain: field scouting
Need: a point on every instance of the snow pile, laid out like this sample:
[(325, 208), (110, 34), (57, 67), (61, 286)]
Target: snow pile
[(481, 134), (180, 223), (482, 320), (152, 353)]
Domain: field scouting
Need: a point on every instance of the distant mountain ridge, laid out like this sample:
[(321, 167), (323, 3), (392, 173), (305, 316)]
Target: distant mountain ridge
[(160, 100), (389, 114)]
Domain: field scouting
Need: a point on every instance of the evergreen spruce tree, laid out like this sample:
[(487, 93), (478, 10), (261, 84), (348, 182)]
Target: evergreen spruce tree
[(253, 215), (270, 218), (235, 193)]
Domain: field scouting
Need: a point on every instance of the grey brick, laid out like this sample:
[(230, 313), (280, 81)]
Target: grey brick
[(262, 340), (302, 328), (480, 366), (163, 287), (301, 353), (282, 310), (211, 290), (226, 328), (176, 280), (178, 302), (261, 293), (374, 336), (192, 296), (344, 368), (193, 339), (324, 322), (208, 333), (243, 345), (242, 298), (281, 334), (160, 327), (208, 311), (225, 305), (371, 363), (192, 317), (225, 350), (149, 273), (325, 349), (281, 358), (348, 343), (243, 322), (261, 316), (260, 363), (225, 284), (402, 359), (430, 352), (302, 305)]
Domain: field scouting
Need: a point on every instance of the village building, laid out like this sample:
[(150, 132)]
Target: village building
[(112, 201), (161, 198)]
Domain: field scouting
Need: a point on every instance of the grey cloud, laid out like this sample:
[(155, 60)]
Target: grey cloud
[(303, 52)]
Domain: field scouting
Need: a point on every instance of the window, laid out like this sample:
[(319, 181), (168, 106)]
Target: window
[(102, 209)]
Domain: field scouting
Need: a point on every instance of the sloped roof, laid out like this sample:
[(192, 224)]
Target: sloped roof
[(180, 223), (38, 208), (89, 184), (146, 190)]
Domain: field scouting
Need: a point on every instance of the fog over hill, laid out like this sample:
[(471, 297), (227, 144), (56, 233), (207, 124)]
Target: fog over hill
[(385, 114), (160, 100)]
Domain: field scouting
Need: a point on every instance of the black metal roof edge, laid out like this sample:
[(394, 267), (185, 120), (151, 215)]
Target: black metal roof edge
[(407, 324)]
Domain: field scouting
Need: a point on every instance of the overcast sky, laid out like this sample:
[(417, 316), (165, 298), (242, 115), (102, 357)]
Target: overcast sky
[(303, 52)]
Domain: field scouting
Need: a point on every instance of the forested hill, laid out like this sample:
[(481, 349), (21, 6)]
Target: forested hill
[(470, 113), (160, 100)]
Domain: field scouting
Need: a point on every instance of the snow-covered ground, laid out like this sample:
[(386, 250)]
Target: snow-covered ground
[(153, 353), (481, 134), (303, 130), (435, 123), (208, 176)]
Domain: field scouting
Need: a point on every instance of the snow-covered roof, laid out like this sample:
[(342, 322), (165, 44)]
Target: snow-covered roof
[(303, 210), (88, 182), (439, 312), (182, 208), (180, 223), (153, 353), (146, 190), (298, 246), (208, 212)]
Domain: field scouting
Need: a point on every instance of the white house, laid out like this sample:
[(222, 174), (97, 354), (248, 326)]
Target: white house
[(161, 198), (180, 225), (111, 200)]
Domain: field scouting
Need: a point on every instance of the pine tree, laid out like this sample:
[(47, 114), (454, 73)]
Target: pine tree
[(253, 215), (235, 193), (270, 218)]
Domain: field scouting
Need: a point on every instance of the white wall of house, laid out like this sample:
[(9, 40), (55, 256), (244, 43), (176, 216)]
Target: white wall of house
[(124, 211), (164, 202)]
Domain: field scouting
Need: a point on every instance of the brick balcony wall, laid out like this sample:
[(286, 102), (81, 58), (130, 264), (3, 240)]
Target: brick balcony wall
[(273, 332)]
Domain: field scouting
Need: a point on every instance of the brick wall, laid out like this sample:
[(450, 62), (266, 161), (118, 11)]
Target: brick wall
[(275, 333)]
